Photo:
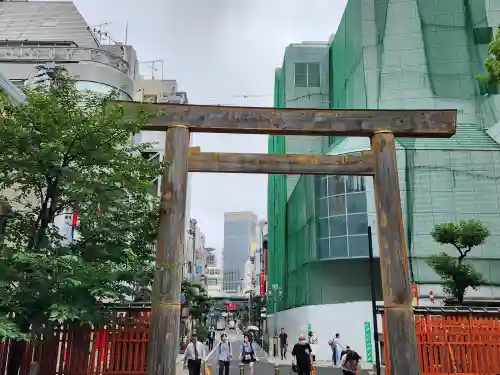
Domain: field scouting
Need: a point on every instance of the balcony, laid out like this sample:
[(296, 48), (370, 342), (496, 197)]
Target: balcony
[(61, 54)]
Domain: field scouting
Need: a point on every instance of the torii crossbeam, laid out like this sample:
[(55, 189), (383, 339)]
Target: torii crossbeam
[(382, 126)]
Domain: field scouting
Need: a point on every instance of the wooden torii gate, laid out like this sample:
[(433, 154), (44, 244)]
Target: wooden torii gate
[(382, 126)]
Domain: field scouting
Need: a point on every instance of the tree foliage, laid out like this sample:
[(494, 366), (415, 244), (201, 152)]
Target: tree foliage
[(63, 151), (492, 64), (456, 273), (196, 297)]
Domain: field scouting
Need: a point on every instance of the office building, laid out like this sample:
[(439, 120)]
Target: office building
[(166, 91), (239, 244), (38, 36), (35, 33), (398, 54), (214, 273), (199, 256)]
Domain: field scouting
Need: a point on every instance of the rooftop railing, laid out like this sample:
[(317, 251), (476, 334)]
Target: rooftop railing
[(61, 54)]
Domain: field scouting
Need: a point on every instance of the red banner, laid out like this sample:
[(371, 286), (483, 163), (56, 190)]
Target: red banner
[(262, 283)]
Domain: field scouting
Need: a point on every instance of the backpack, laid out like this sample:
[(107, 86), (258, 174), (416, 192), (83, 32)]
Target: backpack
[(228, 343)]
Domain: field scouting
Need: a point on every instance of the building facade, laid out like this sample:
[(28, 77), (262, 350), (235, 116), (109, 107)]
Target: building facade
[(199, 256), (39, 32), (213, 273), (40, 36), (398, 54), (239, 244), (166, 91)]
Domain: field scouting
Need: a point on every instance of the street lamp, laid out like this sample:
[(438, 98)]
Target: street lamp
[(275, 293)]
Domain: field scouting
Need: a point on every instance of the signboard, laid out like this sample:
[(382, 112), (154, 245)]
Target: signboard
[(414, 292), (309, 329), (182, 299), (262, 284), (368, 342)]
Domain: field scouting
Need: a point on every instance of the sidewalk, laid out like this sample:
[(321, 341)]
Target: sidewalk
[(179, 368), (288, 362)]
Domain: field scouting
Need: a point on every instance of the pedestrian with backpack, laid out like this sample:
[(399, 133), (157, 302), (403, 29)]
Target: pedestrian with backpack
[(225, 355), (248, 356)]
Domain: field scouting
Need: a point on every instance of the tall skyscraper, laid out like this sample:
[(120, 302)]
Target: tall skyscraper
[(240, 232)]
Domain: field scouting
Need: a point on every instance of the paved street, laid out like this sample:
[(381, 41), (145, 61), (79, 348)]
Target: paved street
[(264, 366)]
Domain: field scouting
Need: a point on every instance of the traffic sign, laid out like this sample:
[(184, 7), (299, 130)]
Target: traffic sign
[(182, 299)]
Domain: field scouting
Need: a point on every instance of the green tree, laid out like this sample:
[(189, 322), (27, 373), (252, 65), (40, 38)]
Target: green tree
[(63, 152), (456, 273), (492, 63)]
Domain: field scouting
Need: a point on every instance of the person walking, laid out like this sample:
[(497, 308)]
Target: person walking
[(336, 349), (248, 356), (302, 356), (211, 338), (225, 355), (194, 355), (349, 362), (283, 343)]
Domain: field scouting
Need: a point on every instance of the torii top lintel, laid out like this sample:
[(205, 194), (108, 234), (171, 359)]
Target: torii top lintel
[(297, 121)]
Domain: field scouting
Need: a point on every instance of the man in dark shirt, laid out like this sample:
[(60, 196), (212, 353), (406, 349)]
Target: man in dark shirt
[(302, 353), (283, 343)]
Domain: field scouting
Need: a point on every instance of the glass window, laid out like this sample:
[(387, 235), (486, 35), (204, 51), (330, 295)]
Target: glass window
[(313, 75), (324, 248), (338, 247), (101, 88), (323, 228), (307, 75), (338, 226), (322, 207), (357, 224), (356, 202), (358, 245), (337, 205), (336, 185), (321, 187), (236, 228), (301, 74), (355, 184)]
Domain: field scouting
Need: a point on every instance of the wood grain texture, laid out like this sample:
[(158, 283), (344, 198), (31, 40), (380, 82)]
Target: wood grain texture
[(281, 164), (163, 339), (399, 323), (297, 121)]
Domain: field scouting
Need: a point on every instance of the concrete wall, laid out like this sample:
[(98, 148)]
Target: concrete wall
[(347, 319)]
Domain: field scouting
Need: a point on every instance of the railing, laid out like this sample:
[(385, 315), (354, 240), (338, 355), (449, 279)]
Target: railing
[(456, 340), (62, 54)]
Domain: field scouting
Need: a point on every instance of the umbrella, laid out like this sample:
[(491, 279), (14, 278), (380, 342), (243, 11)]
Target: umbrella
[(252, 328)]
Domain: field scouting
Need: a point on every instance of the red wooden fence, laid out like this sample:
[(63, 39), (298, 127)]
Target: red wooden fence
[(456, 343), (115, 348)]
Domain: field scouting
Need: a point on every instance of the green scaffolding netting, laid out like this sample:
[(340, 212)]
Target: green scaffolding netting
[(406, 54)]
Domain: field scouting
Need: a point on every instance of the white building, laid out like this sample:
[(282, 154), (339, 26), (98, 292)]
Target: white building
[(166, 91), (213, 273), (199, 256), (39, 34)]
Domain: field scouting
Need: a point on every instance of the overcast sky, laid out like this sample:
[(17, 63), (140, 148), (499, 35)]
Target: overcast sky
[(219, 51)]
